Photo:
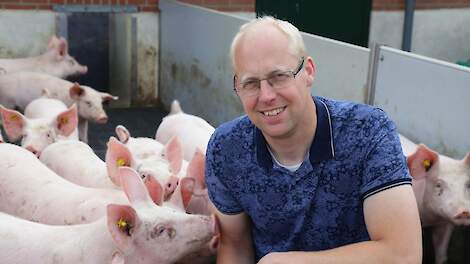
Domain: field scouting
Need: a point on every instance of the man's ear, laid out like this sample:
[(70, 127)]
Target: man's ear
[(310, 69)]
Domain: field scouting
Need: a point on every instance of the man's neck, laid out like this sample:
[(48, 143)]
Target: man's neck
[(291, 150)]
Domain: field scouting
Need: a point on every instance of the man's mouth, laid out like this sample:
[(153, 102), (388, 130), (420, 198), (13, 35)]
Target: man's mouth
[(274, 112)]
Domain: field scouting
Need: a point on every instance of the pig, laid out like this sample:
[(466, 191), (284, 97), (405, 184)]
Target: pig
[(160, 168), (55, 61), (141, 233), (199, 202), (141, 147), (45, 121), (76, 162), (442, 189), (194, 132), (20, 88), (30, 190)]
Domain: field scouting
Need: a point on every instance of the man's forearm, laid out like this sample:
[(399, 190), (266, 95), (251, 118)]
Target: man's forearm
[(228, 254), (358, 253)]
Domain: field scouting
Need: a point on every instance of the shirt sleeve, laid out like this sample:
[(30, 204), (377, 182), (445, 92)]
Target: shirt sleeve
[(385, 165), (218, 179)]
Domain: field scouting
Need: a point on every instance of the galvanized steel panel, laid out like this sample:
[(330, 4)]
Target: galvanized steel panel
[(428, 99)]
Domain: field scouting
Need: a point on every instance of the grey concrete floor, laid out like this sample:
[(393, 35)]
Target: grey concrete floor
[(141, 122)]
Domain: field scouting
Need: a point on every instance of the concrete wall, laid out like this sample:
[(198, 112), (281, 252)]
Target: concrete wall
[(25, 33), (442, 34)]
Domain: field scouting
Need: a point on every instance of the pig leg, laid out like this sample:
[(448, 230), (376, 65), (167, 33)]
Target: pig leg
[(440, 238), (83, 129)]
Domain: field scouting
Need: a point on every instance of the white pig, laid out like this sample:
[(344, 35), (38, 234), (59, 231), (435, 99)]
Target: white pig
[(442, 189), (55, 61), (160, 168), (45, 122), (143, 233), (32, 191), (18, 89), (78, 163), (194, 132)]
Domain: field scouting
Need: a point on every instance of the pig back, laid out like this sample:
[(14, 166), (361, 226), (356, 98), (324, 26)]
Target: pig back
[(30, 190)]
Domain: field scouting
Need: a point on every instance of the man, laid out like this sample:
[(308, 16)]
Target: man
[(304, 179)]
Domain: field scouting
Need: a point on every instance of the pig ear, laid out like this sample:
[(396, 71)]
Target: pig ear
[(45, 93), (133, 187), (62, 48), (420, 162), (175, 108), (196, 169), (467, 159), (155, 190), (122, 133), (13, 123), (122, 220), (174, 154), (76, 91), (117, 155), (106, 97), (67, 121), (187, 188), (53, 42)]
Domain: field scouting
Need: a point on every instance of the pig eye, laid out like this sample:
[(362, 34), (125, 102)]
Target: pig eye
[(71, 62), (88, 103)]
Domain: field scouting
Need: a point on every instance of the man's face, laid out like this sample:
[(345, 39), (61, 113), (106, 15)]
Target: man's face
[(261, 53)]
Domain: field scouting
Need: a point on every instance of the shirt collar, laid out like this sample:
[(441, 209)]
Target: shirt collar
[(322, 147)]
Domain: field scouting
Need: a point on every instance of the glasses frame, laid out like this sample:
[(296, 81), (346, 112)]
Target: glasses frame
[(293, 72)]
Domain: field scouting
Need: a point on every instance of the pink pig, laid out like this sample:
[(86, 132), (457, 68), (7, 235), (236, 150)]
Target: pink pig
[(55, 61), (162, 167), (18, 89), (32, 191), (194, 132), (142, 233), (442, 189), (78, 163), (45, 121)]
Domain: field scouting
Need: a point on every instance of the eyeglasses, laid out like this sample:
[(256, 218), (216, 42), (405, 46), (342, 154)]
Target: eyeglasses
[(277, 80)]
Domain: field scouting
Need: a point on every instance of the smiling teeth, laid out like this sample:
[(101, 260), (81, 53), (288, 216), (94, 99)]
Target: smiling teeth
[(273, 112)]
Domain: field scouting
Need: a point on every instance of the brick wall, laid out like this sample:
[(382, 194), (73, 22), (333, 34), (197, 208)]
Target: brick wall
[(221, 5), (420, 4), (143, 5)]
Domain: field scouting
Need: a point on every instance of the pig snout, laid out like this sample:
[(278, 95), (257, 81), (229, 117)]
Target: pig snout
[(170, 186), (102, 120), (32, 149), (214, 242), (83, 70), (464, 215)]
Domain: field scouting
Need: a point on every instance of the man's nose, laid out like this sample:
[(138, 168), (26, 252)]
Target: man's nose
[(266, 90)]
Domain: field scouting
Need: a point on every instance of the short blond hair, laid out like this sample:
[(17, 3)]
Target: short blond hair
[(296, 44)]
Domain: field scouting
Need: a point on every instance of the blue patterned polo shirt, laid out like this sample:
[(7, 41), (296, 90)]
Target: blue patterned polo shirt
[(356, 153)]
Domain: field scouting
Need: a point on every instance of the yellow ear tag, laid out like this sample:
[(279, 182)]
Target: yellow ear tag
[(124, 226), (121, 162), (64, 120), (427, 164), (14, 117)]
